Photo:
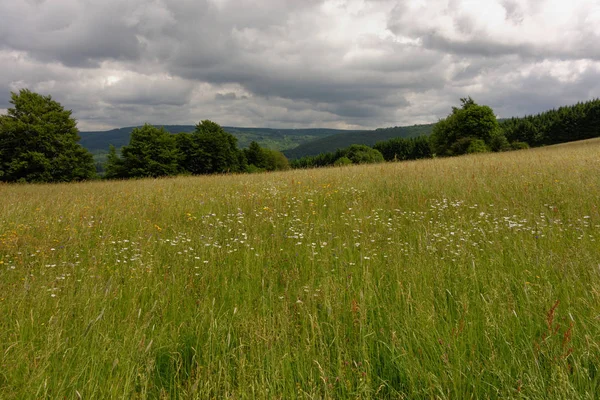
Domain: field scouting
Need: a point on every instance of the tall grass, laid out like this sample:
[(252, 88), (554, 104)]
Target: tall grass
[(471, 277)]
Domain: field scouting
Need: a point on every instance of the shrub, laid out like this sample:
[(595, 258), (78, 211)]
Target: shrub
[(340, 162)]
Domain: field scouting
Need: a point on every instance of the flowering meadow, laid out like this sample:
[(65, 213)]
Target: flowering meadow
[(469, 277)]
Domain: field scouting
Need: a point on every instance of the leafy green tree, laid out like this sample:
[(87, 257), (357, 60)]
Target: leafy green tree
[(519, 145), (363, 154), (342, 161), (209, 150), (399, 149), (275, 160), (261, 159), (499, 142), (255, 155), (151, 152), (194, 159), (454, 134), (39, 142), (114, 167), (477, 146)]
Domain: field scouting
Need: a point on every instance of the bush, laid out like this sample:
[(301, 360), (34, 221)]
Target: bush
[(498, 142), (453, 135), (477, 146), (340, 162), (362, 154), (519, 145)]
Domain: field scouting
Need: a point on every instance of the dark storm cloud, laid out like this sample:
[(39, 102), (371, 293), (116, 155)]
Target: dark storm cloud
[(70, 32), (289, 63)]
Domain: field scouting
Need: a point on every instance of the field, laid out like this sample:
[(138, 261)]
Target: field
[(470, 277)]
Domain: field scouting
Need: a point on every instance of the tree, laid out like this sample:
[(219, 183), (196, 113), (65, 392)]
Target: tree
[(471, 128), (193, 158), (342, 161), (255, 155), (209, 149), (399, 149), (114, 167), (576, 122), (260, 159), (363, 154), (275, 160), (151, 152), (39, 142)]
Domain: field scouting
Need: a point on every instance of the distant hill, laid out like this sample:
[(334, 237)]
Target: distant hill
[(98, 141), (347, 138), (276, 139)]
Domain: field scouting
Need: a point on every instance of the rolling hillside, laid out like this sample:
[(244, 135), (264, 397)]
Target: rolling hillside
[(345, 139), (276, 139)]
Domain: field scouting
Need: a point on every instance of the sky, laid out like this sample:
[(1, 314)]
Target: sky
[(347, 64)]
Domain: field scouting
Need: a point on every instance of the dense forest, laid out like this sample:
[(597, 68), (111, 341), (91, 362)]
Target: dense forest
[(566, 124), (39, 142)]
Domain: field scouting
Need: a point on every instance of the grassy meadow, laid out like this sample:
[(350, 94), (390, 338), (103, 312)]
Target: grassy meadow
[(469, 277)]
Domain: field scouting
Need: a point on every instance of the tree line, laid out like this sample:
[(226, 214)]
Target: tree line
[(474, 128), (39, 143), (154, 152)]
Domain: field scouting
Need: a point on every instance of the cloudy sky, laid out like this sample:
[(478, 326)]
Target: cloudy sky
[(298, 63)]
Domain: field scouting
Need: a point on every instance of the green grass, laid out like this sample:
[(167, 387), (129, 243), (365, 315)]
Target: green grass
[(471, 277)]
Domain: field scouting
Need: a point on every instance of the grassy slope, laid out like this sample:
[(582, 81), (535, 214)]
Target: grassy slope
[(451, 278), (343, 140)]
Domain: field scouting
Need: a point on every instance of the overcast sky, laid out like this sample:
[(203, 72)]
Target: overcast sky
[(298, 63)]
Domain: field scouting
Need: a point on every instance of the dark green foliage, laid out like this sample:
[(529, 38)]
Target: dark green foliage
[(519, 145), (362, 154), (577, 122), (400, 149), (321, 160), (193, 158), (346, 139), (456, 134), (477, 146), (275, 160), (340, 162), (39, 142), (499, 142), (210, 150), (152, 152), (255, 155), (114, 168), (356, 154), (260, 159)]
